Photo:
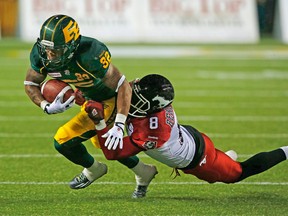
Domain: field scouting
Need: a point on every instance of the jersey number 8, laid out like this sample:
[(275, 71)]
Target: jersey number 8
[(153, 123)]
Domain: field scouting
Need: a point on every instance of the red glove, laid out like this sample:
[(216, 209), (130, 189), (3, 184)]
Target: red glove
[(79, 98), (95, 111)]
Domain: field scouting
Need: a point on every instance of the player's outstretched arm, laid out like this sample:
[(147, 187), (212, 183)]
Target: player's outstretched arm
[(128, 149), (95, 112)]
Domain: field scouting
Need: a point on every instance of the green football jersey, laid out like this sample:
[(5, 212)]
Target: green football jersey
[(85, 70)]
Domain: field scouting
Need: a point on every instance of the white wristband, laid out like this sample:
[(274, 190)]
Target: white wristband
[(101, 125), (120, 118), (43, 104), (30, 83)]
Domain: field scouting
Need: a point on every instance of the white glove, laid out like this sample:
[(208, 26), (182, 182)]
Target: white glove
[(57, 106), (115, 136)]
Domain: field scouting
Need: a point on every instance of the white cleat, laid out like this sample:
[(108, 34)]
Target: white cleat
[(232, 154)]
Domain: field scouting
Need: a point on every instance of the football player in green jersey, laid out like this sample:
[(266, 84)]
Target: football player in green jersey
[(62, 53)]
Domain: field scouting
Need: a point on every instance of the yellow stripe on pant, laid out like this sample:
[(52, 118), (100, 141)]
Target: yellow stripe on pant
[(81, 124)]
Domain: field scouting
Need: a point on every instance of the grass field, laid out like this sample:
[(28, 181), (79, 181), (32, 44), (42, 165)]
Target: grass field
[(235, 94)]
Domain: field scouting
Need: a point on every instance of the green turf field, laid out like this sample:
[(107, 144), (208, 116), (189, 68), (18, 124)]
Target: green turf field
[(235, 94)]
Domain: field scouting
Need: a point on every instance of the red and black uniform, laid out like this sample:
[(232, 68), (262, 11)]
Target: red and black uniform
[(182, 147)]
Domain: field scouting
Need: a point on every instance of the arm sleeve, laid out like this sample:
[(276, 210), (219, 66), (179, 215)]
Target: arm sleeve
[(129, 149), (35, 61)]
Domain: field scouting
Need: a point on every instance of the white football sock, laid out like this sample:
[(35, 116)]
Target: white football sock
[(138, 169), (285, 149), (144, 173), (92, 172)]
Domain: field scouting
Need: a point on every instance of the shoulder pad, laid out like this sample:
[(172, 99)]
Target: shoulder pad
[(93, 56)]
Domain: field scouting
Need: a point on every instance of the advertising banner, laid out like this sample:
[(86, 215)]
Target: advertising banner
[(167, 21), (281, 21)]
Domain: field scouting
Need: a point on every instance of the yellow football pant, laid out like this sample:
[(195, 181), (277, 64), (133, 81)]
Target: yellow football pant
[(82, 126)]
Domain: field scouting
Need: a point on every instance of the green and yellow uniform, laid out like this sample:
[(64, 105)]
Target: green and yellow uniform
[(62, 53), (85, 71)]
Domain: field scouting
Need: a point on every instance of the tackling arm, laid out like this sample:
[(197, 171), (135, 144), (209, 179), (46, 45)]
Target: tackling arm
[(128, 148)]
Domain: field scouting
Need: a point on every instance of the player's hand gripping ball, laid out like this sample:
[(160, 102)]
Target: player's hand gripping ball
[(58, 95), (51, 88)]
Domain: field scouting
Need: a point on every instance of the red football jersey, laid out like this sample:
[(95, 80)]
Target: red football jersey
[(162, 138), (152, 131)]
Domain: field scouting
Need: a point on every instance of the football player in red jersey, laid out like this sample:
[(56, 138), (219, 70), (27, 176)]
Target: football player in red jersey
[(153, 128), (61, 52)]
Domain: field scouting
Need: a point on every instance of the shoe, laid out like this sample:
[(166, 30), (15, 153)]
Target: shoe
[(81, 181), (149, 172), (139, 192), (232, 154)]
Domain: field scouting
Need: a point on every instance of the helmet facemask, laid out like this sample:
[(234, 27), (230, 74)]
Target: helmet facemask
[(139, 104), (150, 94), (55, 57)]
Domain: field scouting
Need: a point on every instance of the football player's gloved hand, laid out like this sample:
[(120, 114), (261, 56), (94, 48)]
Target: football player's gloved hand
[(115, 134), (79, 98), (58, 106), (95, 111)]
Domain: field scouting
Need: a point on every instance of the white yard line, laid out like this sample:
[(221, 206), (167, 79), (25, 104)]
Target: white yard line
[(194, 51), (95, 155), (280, 118), (228, 105), (152, 183), (150, 51), (212, 135), (234, 118), (192, 92)]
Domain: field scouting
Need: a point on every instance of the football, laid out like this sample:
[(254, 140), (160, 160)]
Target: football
[(51, 88)]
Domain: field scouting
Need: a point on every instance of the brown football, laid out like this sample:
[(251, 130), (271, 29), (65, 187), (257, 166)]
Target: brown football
[(51, 88)]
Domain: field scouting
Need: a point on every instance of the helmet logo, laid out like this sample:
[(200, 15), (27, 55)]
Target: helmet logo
[(162, 101), (71, 31), (150, 144)]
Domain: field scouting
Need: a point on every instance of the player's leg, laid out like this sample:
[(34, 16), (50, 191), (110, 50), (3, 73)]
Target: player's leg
[(68, 142), (263, 161), (215, 165), (144, 173)]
